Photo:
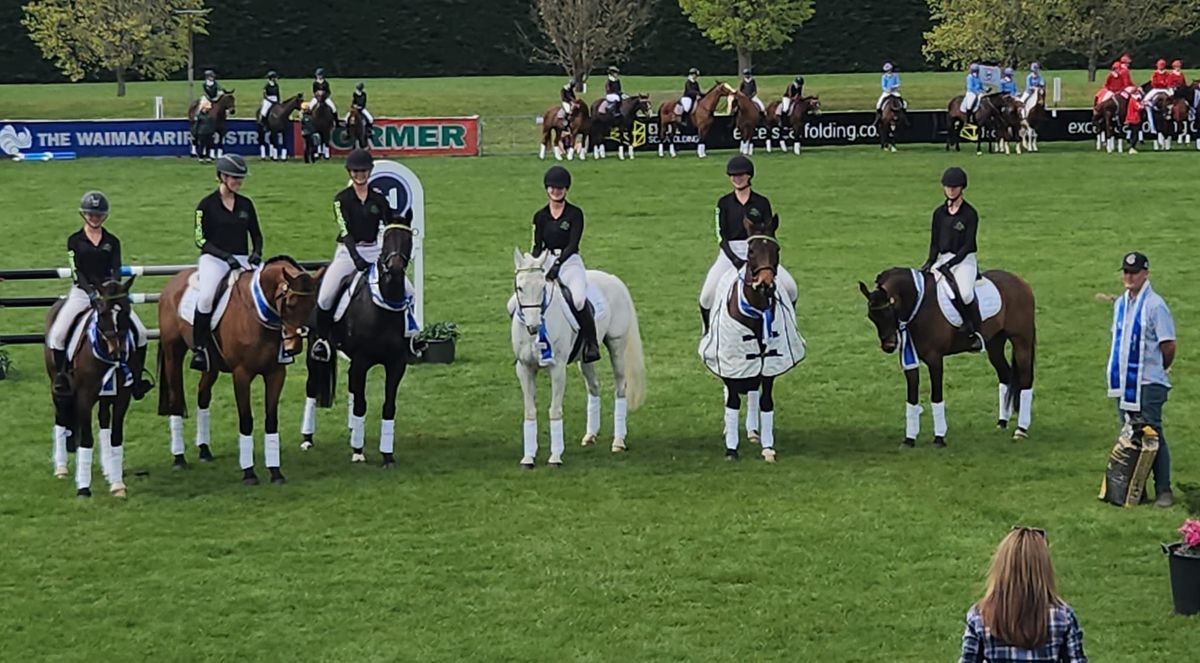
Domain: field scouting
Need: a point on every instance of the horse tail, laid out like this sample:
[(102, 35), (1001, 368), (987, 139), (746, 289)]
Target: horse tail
[(635, 361), (164, 385)]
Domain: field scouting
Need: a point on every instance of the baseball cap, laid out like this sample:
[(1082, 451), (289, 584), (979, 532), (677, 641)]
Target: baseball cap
[(1135, 262)]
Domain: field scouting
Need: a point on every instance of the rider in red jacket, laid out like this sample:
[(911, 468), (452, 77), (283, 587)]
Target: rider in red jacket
[(1176, 77)]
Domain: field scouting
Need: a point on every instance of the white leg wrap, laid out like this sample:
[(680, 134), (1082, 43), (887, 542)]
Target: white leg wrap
[(531, 438), (202, 427), (752, 410), (357, 425), (939, 419), (106, 452), (246, 451), (620, 415), (176, 424), (387, 436), (731, 428), (83, 468), (262, 151), (309, 425), (60, 446), (349, 409), (1005, 410), (593, 414), (116, 466), (542, 151), (557, 443), (271, 449), (1025, 416), (912, 420), (767, 434)]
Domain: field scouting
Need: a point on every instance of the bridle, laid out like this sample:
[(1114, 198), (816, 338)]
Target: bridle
[(750, 275), (521, 306), (384, 259)]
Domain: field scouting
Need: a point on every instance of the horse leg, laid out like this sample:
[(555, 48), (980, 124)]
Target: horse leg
[(60, 451), (592, 382), (203, 400), (84, 452), (1023, 353), (672, 146), (241, 391), (105, 437), (937, 401), (116, 454), (358, 390), (528, 378), (558, 387), (387, 428), (308, 424), (171, 396), (912, 408), (767, 418), (733, 404), (995, 350), (274, 387), (616, 355), (753, 410)]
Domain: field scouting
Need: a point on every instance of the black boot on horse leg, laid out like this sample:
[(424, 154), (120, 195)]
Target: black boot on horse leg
[(141, 386), (62, 380), (201, 333), (587, 330), (321, 350)]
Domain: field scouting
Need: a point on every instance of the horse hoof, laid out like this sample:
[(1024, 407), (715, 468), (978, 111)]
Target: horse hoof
[(618, 445), (527, 463), (83, 492), (731, 455), (1020, 434), (277, 476), (206, 455), (555, 461), (249, 478), (389, 460), (117, 490), (768, 455), (754, 437), (180, 463), (939, 442), (357, 456), (908, 443), (588, 440), (60, 472), (1001, 424), (306, 445)]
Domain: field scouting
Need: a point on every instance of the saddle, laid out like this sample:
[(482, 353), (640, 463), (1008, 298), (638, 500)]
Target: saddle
[(986, 294), (351, 287), (187, 304)]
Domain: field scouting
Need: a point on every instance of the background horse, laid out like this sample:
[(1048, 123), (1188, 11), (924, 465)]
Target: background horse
[(357, 130), (278, 297), (274, 126), (556, 137), (1180, 113), (1108, 118), (670, 124), (1034, 118), (891, 117), (1006, 119), (542, 336), (988, 123), (324, 122), (103, 353), (223, 107), (746, 118), (372, 332), (802, 108), (603, 124), (703, 111), (912, 320)]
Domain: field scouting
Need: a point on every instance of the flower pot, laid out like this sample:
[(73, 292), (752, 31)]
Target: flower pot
[(3, 371), (438, 352), (1185, 580)]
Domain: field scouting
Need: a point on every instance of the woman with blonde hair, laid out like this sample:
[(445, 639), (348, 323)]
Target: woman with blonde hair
[(1021, 617)]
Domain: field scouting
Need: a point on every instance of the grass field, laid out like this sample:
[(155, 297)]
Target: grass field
[(846, 550)]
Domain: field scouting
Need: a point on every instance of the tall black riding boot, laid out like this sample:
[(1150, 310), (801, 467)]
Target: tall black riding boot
[(974, 325), (140, 384), (587, 329), (201, 333), (62, 381), (704, 313), (321, 348)]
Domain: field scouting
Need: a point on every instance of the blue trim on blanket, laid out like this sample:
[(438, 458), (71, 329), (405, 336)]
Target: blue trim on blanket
[(908, 351), (747, 309)]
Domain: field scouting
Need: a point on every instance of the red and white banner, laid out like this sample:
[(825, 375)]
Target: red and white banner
[(411, 136)]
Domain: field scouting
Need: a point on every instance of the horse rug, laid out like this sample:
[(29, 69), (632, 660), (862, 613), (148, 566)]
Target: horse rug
[(733, 351), (411, 328), (985, 292), (187, 303)]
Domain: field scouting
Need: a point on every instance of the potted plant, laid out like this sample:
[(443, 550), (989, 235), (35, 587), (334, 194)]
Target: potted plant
[(5, 363), (1184, 560), (440, 338)]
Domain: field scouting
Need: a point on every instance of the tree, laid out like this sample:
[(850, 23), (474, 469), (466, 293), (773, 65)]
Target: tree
[(579, 35), (1004, 31), (748, 25), (1097, 29), (85, 37)]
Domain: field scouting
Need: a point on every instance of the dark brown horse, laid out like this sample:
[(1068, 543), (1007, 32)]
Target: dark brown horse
[(222, 108), (274, 126), (357, 129), (1033, 119), (987, 123), (1108, 119), (247, 343), (911, 320), (892, 116), (1181, 108), (604, 125), (746, 120), (561, 135), (802, 108), (104, 363), (324, 122)]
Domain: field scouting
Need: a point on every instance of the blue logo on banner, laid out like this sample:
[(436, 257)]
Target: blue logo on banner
[(395, 189)]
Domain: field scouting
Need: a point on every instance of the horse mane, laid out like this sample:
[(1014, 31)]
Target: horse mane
[(284, 258), (887, 274)]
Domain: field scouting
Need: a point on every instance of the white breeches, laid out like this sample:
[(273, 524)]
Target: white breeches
[(265, 108), (720, 266), (964, 273), (883, 97), (758, 102), (367, 116), (785, 106), (328, 102), (210, 271), (970, 102), (612, 98), (340, 269), (687, 103), (77, 302), (573, 275), (566, 110)]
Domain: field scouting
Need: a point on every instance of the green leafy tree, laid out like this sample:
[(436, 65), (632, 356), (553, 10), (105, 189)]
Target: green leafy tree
[(748, 26), (1005, 31), (1098, 29), (84, 37)]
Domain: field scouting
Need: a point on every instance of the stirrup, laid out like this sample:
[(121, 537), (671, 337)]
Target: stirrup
[(320, 350), (200, 359)]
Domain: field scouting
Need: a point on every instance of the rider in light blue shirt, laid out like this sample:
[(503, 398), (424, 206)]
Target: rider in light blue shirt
[(1007, 84), (890, 84), (1034, 84), (975, 91)]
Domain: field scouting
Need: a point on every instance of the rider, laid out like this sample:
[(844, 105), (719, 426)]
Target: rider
[(270, 94), (1035, 85), (794, 92), (321, 85), (359, 100), (558, 228), (212, 89), (975, 90), (952, 248), (1176, 77), (361, 214), (566, 97), (94, 255), (1160, 84), (749, 87), (1008, 86), (224, 220), (732, 210), (890, 84), (691, 92), (612, 91)]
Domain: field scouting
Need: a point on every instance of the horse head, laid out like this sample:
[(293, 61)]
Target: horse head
[(394, 256), (293, 293), (529, 286), (883, 309), (814, 105), (227, 102), (762, 256), (111, 305)]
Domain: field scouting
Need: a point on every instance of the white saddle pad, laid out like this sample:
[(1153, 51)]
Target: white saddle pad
[(594, 296), (346, 296), (187, 304), (731, 350), (985, 292)]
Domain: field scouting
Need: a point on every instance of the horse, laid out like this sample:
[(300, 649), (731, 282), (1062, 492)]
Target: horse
[(603, 124), (357, 129), (266, 303), (802, 108), (274, 126), (324, 122), (904, 309), (559, 138), (752, 340), (989, 123), (103, 368), (1108, 119), (670, 125), (372, 332), (703, 111), (746, 118), (891, 117), (1160, 109), (224, 106), (1007, 123), (1033, 119), (542, 336), (1180, 114)]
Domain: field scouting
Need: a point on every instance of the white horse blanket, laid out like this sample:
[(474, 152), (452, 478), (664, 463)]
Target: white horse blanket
[(732, 350), (985, 291)]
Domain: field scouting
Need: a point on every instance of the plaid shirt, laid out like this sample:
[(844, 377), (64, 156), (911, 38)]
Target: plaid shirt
[(1064, 644)]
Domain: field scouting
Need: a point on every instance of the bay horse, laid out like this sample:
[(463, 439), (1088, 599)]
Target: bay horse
[(670, 124), (222, 108), (103, 368), (603, 125), (559, 139), (1180, 114), (324, 122), (275, 126), (703, 111), (1033, 119), (357, 129), (892, 116), (904, 309), (372, 332), (266, 303), (987, 123), (1108, 119), (802, 108), (746, 119), (1007, 122), (543, 337)]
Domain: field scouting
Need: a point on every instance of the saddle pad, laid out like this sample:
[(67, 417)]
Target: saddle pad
[(731, 350), (985, 292), (187, 304), (346, 296), (594, 295), (78, 328)]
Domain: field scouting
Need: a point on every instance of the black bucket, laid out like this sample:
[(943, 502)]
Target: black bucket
[(438, 352), (1185, 580)]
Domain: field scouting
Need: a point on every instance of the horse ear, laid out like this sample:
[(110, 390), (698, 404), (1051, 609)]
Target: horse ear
[(517, 258), (408, 215), (127, 285), (291, 280), (774, 222), (862, 287), (748, 225), (320, 274)]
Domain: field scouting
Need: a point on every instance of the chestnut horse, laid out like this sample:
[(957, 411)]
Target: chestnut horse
[(563, 140), (746, 118), (802, 108)]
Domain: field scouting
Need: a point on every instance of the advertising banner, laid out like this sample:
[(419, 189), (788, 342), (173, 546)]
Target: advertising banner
[(453, 136), (117, 138)]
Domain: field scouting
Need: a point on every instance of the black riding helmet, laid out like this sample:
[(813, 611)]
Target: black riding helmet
[(319, 72), (740, 165), (558, 177), (693, 72), (360, 159), (360, 86), (209, 72), (233, 165), (613, 70), (799, 79), (746, 71), (272, 75), (93, 202), (954, 176)]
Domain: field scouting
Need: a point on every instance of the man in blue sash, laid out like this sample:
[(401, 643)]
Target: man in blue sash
[(1142, 351)]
